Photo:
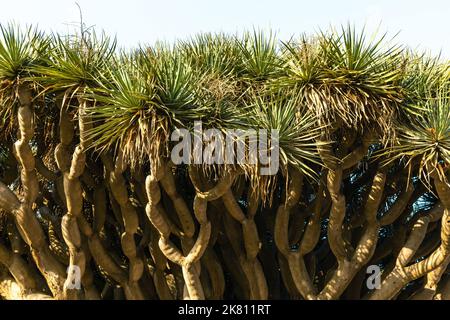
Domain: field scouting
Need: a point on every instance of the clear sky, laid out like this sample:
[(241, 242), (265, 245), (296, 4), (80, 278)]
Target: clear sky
[(424, 25)]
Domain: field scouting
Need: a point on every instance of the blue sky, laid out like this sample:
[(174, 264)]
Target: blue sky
[(424, 25)]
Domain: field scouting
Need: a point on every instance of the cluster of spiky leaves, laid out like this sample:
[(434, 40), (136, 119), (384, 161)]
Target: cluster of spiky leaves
[(20, 50), (74, 63), (424, 139), (301, 88), (341, 76), (423, 125)]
